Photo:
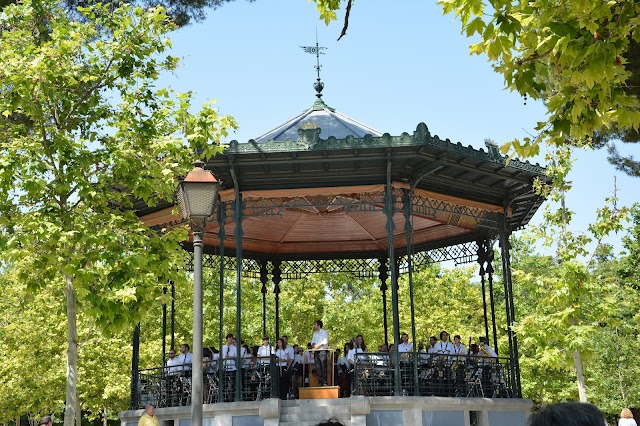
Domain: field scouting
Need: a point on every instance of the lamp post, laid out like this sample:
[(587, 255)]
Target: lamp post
[(197, 196)]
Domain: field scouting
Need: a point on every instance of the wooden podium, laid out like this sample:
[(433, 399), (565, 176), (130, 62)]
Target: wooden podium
[(313, 391)]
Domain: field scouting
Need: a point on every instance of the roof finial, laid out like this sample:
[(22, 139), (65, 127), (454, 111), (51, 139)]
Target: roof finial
[(318, 85)]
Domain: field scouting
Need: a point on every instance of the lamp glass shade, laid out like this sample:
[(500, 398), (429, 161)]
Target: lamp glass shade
[(197, 199)]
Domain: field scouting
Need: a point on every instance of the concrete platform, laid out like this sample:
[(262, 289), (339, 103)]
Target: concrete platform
[(354, 411)]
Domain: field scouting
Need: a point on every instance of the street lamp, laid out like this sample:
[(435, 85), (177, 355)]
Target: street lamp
[(197, 197)]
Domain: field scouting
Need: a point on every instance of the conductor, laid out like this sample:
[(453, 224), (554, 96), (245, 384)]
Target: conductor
[(320, 340)]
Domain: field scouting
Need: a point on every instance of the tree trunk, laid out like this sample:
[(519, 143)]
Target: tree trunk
[(104, 416), (582, 390), (72, 354)]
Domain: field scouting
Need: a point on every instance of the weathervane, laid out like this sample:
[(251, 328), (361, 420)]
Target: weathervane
[(318, 85)]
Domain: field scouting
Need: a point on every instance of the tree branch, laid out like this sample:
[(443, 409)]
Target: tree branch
[(346, 21)]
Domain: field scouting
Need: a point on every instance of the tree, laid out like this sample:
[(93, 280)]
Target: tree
[(182, 12), (86, 133), (579, 57)]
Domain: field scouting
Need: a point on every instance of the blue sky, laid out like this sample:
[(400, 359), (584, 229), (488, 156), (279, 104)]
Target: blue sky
[(396, 67)]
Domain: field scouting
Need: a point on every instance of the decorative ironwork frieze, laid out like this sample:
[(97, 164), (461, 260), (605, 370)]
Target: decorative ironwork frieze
[(360, 268)]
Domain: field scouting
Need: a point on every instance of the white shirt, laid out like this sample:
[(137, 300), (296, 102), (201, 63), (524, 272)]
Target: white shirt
[(627, 422), (343, 361), (185, 360), (459, 350), (490, 350), (320, 337), (405, 347), (264, 352), (229, 354), (352, 354), (290, 351), (443, 348), (283, 357), (307, 358), (173, 366)]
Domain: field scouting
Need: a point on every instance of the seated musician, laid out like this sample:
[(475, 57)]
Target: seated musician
[(489, 355), (383, 357), (458, 348)]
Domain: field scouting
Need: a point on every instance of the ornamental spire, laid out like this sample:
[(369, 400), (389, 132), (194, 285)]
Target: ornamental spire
[(317, 50)]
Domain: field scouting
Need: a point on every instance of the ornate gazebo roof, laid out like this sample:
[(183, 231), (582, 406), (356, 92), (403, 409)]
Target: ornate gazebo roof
[(311, 188)]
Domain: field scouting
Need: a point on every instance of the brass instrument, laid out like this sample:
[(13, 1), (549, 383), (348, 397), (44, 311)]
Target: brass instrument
[(484, 352)]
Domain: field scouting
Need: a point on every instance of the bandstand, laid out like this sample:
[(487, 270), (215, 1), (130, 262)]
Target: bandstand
[(325, 193)]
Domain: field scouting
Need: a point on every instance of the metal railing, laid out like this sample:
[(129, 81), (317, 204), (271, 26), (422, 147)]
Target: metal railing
[(374, 374), (171, 386), (424, 374)]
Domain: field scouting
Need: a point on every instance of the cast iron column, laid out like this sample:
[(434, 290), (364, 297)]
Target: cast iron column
[(384, 274), (277, 278), (263, 279)]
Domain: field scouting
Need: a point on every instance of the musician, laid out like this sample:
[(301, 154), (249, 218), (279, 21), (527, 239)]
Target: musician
[(297, 370), (360, 347), (185, 358), (172, 363), (265, 351), (443, 347), (307, 360), (488, 358), (458, 348), (229, 353), (440, 351), (432, 342), (486, 350), (283, 361), (288, 348), (405, 345), (320, 340)]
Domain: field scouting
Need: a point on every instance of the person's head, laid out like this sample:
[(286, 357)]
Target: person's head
[(285, 339), (383, 348), (433, 340), (309, 345), (392, 347), (172, 353), (360, 341), (317, 325), (229, 339), (420, 346), (405, 338), (265, 341), (280, 344), (444, 336), (331, 422), (473, 348), (456, 339), (149, 409), (296, 349), (626, 414), (184, 348), (347, 347), (483, 340), (46, 421), (569, 414)]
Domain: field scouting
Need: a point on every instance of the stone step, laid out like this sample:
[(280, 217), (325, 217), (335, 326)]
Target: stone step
[(312, 412)]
